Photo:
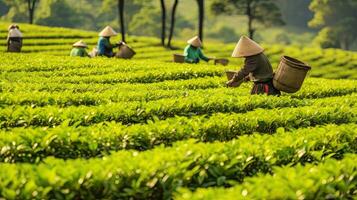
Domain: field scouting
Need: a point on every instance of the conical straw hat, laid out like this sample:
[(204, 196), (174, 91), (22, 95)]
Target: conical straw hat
[(12, 26), (80, 43), (246, 47), (15, 33), (195, 41), (108, 32)]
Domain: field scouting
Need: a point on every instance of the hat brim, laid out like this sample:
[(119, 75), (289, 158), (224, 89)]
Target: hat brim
[(247, 55), (80, 46)]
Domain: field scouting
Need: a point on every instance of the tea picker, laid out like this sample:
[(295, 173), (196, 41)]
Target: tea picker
[(14, 39), (79, 49), (193, 54), (256, 65), (104, 47), (288, 77)]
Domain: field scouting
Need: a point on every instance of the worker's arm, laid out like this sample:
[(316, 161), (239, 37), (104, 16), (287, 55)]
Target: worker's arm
[(250, 64), (202, 56), (120, 44), (108, 45), (189, 60)]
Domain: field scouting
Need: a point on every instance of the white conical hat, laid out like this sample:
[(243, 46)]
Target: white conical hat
[(195, 41), (108, 32), (13, 26), (80, 43), (246, 47), (15, 33)]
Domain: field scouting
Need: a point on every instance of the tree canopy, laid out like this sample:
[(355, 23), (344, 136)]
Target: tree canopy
[(264, 12), (337, 21), (333, 22)]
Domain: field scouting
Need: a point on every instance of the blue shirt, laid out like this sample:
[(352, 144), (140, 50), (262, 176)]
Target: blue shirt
[(104, 47)]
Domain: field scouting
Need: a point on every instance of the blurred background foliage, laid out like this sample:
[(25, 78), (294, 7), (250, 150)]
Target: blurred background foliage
[(328, 23)]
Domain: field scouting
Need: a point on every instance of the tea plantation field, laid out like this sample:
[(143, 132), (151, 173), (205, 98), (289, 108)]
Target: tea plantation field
[(147, 128)]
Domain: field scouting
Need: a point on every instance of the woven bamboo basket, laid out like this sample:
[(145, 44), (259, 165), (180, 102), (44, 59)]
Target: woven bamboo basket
[(178, 58), (125, 52), (290, 74), (221, 61)]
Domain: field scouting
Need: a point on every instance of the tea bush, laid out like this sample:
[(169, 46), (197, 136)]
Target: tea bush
[(147, 128)]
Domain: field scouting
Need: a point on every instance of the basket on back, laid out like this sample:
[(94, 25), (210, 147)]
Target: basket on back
[(290, 74), (125, 52)]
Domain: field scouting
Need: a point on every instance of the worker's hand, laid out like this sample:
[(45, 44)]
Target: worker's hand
[(230, 83), (246, 79)]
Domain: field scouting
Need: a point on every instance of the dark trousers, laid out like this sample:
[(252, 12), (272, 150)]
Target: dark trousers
[(14, 44), (265, 88)]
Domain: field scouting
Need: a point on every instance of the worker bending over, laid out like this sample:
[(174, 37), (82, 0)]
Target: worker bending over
[(79, 49), (104, 47), (193, 52), (256, 65)]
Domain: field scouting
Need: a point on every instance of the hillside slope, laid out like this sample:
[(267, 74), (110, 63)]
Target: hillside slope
[(330, 63), (147, 128)]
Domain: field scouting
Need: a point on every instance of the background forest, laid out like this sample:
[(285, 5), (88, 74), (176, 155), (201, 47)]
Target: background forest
[(329, 23)]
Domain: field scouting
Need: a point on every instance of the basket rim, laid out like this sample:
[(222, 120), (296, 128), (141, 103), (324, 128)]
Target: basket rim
[(130, 49), (295, 62)]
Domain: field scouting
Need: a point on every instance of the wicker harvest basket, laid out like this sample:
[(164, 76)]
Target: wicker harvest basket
[(125, 52), (290, 74), (178, 58), (221, 61)]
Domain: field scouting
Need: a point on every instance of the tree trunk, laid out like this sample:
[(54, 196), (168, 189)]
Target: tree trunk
[(345, 44), (250, 20), (121, 18), (31, 8), (201, 7), (163, 21), (172, 26)]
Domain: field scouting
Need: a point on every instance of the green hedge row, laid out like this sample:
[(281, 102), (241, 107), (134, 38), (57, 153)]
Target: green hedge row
[(65, 65), (34, 144), (149, 92), (157, 173), (196, 83), (140, 112), (332, 179), (119, 77)]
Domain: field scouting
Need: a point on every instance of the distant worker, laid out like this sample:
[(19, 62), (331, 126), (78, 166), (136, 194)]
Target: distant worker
[(104, 47), (14, 39), (79, 49), (256, 65), (193, 52)]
